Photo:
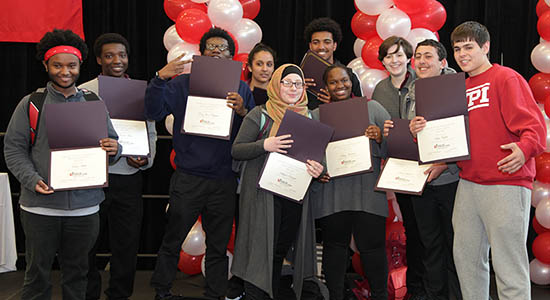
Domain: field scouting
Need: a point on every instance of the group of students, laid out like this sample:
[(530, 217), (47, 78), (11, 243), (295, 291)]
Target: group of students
[(488, 206)]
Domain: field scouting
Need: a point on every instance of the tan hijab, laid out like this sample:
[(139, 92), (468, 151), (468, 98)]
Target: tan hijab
[(276, 107)]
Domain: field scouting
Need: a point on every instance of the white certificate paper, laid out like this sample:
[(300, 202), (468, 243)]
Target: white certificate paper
[(133, 137), (207, 116), (443, 139), (348, 156), (285, 176), (403, 176), (78, 168)]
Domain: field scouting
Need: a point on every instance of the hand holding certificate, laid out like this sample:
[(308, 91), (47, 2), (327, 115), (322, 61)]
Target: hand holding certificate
[(441, 100), (349, 151), (124, 99), (314, 66), (287, 174), (206, 113), (76, 159)]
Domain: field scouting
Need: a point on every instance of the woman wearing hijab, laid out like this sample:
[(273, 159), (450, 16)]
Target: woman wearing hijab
[(349, 205), (269, 224)]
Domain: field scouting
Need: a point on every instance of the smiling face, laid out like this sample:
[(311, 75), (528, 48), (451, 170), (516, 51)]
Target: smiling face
[(63, 70), (427, 63), (396, 61), (338, 84), (262, 67), (470, 57), (214, 46), (323, 44), (293, 92), (113, 59)]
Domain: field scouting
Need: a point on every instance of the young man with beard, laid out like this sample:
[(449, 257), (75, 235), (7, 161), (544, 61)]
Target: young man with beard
[(65, 223), (323, 36), (122, 211), (203, 182)]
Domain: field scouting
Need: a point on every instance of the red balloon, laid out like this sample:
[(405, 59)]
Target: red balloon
[(547, 106), (356, 263), (540, 86), (542, 163), (363, 25), (231, 244), (542, 7), (543, 25), (369, 53), (437, 35), (411, 6), (243, 57), (432, 17), (173, 8), (189, 264), (251, 8), (541, 248), (192, 24), (395, 231), (172, 159), (539, 229)]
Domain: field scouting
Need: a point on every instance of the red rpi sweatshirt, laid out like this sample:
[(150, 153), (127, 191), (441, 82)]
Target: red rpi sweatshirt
[(501, 110)]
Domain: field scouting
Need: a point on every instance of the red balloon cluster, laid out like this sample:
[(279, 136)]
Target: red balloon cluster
[(376, 20)]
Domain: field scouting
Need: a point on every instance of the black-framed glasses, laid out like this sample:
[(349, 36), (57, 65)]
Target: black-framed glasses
[(297, 84), (221, 47)]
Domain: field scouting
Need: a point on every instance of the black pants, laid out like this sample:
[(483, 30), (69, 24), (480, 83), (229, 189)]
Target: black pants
[(415, 249), (433, 211), (71, 238), (287, 216), (370, 237), (190, 196), (120, 220)]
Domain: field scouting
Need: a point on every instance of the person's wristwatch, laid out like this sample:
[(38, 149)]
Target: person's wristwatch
[(157, 76)]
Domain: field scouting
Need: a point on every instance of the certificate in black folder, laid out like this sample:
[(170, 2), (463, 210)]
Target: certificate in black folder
[(76, 159), (286, 174), (314, 66), (124, 99), (349, 151), (441, 100), (402, 173), (206, 112)]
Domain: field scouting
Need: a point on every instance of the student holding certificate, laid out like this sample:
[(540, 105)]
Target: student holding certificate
[(122, 210), (395, 54), (269, 224), (65, 222), (349, 205), (203, 182)]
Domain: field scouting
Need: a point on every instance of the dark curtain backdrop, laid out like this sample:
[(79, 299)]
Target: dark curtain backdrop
[(512, 25)]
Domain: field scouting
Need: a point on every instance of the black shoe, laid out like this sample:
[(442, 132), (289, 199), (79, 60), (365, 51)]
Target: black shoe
[(419, 297), (169, 297)]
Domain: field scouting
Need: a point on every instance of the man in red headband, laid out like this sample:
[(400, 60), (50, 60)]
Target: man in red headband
[(66, 222)]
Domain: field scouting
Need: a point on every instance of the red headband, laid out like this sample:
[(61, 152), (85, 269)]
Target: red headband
[(62, 49)]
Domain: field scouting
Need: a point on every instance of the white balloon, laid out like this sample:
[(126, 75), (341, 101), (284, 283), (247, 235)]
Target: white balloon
[(230, 262), (171, 38), (169, 123), (418, 35), (352, 245), (248, 33), (540, 192), (179, 49), (358, 66), (195, 242), (393, 21), (225, 13), (539, 272), (542, 212), (540, 57), (358, 46), (547, 2), (542, 40), (200, 1), (369, 79), (373, 7)]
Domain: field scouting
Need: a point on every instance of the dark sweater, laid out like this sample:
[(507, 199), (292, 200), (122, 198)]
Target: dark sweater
[(196, 155)]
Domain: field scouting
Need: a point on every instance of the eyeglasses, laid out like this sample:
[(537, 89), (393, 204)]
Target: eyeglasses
[(221, 47), (297, 84)]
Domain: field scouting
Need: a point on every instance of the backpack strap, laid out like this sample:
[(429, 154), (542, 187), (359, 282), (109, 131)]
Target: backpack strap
[(265, 121), (36, 101)]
